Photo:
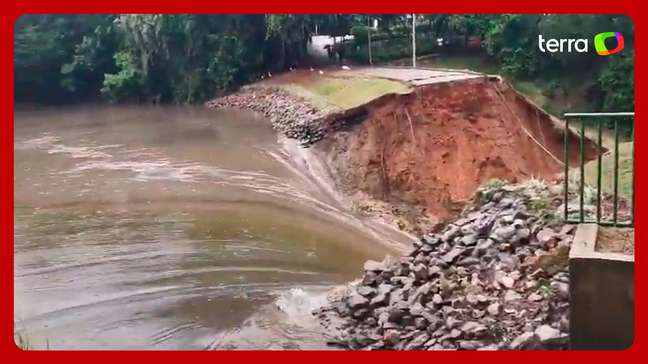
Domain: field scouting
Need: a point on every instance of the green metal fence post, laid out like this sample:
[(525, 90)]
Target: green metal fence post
[(632, 192), (582, 171), (616, 173), (599, 169), (602, 218), (566, 158)]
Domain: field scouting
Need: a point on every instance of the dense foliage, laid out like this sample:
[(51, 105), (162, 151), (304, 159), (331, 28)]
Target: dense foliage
[(188, 58), (62, 57), (180, 58), (511, 41)]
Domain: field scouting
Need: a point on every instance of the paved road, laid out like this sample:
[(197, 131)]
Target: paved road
[(318, 54), (417, 76)]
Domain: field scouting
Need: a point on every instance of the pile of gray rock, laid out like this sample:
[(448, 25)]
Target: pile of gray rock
[(295, 117), (496, 278)]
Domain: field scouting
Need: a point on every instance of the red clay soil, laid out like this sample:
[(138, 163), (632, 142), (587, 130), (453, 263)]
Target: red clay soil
[(434, 147)]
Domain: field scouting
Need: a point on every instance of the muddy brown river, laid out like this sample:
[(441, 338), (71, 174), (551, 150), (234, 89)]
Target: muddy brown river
[(175, 228)]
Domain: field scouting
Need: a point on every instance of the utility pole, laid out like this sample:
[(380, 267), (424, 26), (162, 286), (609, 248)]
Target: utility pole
[(369, 38), (413, 40)]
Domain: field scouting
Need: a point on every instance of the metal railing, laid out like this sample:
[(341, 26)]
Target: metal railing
[(602, 217)]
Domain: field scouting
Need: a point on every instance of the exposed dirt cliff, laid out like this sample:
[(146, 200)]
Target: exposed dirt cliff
[(425, 153)]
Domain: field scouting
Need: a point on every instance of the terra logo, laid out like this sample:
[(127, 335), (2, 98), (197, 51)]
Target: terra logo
[(581, 45), (599, 43)]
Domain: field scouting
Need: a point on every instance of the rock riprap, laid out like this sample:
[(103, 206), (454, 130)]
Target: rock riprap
[(478, 284), (291, 115)]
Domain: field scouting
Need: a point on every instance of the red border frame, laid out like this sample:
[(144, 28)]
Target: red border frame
[(12, 10)]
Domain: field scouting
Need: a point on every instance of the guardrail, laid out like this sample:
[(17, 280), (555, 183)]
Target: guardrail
[(602, 217)]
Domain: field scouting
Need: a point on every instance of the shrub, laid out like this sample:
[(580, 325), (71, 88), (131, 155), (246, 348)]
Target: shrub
[(360, 34), (126, 83), (617, 83)]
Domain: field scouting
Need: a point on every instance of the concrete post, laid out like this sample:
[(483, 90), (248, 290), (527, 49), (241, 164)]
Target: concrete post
[(601, 292)]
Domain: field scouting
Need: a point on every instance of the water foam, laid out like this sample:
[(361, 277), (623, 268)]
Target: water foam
[(297, 303)]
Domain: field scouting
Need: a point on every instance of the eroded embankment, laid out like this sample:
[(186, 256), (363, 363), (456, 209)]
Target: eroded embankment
[(495, 278), (425, 153)]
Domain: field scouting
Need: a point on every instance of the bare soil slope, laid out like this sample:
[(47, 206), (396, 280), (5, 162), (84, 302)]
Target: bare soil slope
[(432, 148)]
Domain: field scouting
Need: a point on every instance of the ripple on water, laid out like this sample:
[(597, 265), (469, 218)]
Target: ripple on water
[(131, 232)]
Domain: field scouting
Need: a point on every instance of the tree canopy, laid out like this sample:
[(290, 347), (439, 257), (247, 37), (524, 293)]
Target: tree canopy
[(188, 58)]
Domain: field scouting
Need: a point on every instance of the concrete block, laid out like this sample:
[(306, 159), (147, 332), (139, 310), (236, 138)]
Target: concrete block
[(601, 295)]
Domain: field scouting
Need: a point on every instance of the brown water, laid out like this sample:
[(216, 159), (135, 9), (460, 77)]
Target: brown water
[(174, 228)]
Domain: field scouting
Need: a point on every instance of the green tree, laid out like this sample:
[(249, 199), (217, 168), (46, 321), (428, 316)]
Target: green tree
[(187, 58), (617, 83), (291, 33), (127, 83), (513, 40), (59, 57)]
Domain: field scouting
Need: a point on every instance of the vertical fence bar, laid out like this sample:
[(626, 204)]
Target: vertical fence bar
[(632, 198), (602, 212), (566, 191), (582, 171), (599, 170), (616, 172)]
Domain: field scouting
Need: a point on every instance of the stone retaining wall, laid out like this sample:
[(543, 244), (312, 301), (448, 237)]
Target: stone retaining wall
[(496, 278)]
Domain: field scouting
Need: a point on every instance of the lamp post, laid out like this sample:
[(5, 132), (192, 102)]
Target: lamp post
[(369, 38), (413, 40)]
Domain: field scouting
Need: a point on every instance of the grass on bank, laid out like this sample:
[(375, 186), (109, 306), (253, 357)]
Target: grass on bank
[(346, 92), (607, 179), (607, 161), (351, 92)]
